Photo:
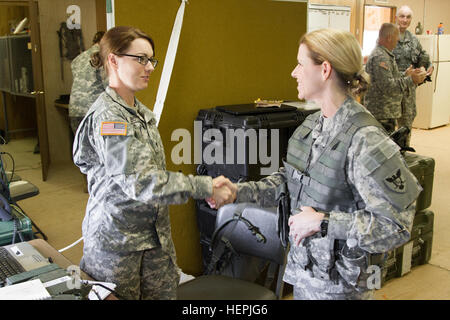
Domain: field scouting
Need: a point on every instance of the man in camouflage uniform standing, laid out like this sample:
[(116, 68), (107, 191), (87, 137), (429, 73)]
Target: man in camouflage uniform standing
[(87, 84), (388, 85), (409, 53)]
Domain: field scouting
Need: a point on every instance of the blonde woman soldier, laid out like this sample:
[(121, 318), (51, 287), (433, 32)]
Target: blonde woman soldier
[(352, 196)]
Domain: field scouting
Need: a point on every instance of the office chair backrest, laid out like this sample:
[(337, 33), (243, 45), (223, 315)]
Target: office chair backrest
[(5, 209), (251, 230)]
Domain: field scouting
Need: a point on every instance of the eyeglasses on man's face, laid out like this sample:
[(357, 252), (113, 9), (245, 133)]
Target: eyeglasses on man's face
[(141, 59)]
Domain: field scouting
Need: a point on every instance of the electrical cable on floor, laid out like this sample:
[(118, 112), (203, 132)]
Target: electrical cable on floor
[(71, 245)]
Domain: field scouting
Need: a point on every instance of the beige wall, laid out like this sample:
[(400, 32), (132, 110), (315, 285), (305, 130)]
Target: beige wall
[(437, 11), (428, 12), (51, 14)]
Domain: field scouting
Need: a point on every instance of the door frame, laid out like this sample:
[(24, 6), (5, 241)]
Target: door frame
[(41, 114), (379, 5)]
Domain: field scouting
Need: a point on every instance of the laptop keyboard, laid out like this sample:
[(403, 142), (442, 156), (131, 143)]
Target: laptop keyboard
[(8, 266)]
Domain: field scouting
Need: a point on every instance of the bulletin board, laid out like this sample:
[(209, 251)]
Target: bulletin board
[(328, 16)]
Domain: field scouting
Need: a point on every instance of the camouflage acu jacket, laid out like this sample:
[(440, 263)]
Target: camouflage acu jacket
[(120, 150), (388, 85), (87, 83), (409, 52)]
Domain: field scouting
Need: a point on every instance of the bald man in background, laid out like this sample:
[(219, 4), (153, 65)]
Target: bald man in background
[(388, 85), (409, 52)]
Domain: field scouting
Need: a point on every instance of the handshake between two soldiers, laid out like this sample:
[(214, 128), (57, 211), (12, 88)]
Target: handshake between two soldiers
[(224, 192)]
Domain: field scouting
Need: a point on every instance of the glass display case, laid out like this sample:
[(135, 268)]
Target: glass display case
[(16, 65)]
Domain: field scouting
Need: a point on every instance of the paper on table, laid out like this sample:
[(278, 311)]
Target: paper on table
[(29, 290), (185, 277), (102, 292)]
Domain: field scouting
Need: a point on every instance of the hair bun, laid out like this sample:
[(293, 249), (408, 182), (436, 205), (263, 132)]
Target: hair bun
[(360, 83), (96, 60)]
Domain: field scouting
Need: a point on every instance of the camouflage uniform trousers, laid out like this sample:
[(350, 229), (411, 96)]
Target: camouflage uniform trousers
[(146, 275), (408, 113)]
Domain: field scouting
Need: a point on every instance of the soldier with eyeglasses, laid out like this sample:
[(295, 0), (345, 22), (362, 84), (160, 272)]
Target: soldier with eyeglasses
[(126, 229)]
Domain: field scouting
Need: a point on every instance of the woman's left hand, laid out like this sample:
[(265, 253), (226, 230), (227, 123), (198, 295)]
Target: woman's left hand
[(304, 224)]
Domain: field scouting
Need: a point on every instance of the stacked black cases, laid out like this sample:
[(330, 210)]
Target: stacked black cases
[(231, 130)]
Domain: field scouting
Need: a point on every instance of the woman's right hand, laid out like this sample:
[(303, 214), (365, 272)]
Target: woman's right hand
[(304, 224)]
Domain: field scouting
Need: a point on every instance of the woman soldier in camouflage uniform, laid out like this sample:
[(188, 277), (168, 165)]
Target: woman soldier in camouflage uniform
[(346, 178), (126, 229)]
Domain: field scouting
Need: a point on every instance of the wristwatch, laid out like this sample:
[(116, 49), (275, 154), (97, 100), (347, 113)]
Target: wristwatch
[(324, 224)]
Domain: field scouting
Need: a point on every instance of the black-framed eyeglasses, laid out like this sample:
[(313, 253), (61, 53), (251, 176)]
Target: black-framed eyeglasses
[(142, 59)]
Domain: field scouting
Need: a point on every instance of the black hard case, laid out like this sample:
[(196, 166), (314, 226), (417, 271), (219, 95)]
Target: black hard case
[(247, 116)]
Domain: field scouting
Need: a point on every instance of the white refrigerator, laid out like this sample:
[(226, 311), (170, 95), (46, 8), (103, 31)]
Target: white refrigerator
[(433, 98)]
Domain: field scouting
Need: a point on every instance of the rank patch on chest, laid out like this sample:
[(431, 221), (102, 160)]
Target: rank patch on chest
[(113, 128)]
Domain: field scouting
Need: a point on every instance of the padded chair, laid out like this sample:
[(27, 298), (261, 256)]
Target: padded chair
[(251, 231), (14, 176), (22, 189)]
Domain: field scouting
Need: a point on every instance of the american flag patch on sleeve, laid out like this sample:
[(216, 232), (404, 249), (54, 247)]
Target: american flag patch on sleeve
[(113, 128)]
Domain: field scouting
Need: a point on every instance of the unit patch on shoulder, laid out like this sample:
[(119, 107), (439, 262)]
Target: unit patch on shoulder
[(396, 182), (111, 128)]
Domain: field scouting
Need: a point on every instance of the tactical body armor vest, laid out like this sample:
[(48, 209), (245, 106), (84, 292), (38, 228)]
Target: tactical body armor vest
[(323, 185)]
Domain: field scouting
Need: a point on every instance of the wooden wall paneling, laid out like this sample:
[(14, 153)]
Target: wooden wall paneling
[(101, 14), (51, 14), (10, 13)]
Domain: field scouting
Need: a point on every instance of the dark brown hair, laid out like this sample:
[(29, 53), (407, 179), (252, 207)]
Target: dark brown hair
[(97, 37), (117, 40)]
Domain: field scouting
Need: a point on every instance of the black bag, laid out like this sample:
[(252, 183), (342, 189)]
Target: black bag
[(243, 236), (70, 42), (283, 211)]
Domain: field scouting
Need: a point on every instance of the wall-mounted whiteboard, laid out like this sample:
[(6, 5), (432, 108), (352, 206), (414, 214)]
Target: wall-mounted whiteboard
[(327, 16)]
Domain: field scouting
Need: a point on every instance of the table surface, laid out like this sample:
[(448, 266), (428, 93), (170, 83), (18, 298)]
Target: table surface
[(62, 105), (49, 252)]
